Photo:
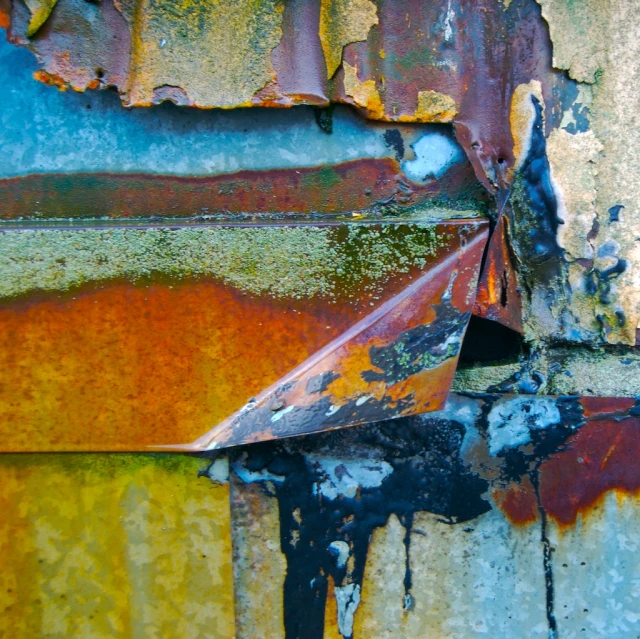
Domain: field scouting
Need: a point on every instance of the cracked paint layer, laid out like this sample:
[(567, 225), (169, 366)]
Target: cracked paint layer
[(598, 170), (343, 22)]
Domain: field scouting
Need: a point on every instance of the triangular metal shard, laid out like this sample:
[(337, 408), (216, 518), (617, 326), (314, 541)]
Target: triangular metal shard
[(499, 296), (397, 361)]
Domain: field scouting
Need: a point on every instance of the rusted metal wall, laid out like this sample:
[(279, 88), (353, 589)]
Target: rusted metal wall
[(283, 271)]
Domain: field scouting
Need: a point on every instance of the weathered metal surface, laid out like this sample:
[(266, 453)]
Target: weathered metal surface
[(405, 61), (121, 338), (459, 523), (398, 360), (453, 61), (550, 142), (499, 298), (113, 546), (71, 155)]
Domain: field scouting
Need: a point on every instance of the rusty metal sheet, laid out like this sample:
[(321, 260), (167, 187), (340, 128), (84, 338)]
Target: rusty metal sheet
[(124, 338), (415, 524), (398, 360), (447, 61), (362, 186), (70, 155)]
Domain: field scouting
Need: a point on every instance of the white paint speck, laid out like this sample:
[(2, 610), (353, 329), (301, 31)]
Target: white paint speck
[(218, 472), (281, 413), (347, 598), (448, 29), (345, 477), (341, 551)]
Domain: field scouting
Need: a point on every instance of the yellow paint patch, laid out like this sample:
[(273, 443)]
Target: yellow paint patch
[(102, 545), (40, 10), (433, 107), (212, 52), (343, 22), (364, 94), (521, 118)]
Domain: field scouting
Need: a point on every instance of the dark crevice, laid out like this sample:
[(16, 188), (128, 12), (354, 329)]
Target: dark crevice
[(487, 341)]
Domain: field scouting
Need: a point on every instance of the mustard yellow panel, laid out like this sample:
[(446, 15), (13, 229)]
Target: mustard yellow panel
[(97, 545)]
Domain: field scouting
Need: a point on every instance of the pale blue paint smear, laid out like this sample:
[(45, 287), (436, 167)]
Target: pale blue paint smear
[(43, 130), (435, 153)]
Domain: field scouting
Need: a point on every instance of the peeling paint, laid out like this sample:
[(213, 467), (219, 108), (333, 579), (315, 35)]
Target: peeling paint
[(343, 22), (234, 41), (364, 94), (40, 11), (433, 107)]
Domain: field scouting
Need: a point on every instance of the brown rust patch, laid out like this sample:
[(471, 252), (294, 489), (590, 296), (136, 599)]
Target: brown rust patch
[(600, 406), (601, 457), (329, 189), (518, 502), (345, 187)]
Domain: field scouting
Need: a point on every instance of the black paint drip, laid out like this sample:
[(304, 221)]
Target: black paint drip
[(518, 463), (393, 139), (423, 471), (540, 236)]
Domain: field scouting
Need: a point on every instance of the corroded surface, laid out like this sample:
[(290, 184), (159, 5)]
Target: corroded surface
[(69, 155), (538, 94), (124, 338), (398, 360), (495, 515), (113, 546)]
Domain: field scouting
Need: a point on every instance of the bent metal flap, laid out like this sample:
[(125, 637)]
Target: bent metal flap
[(145, 337)]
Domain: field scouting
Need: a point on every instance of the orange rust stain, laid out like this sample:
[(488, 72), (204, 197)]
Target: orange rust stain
[(126, 367), (51, 79), (518, 502), (498, 296), (430, 387), (331, 630), (601, 457)]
